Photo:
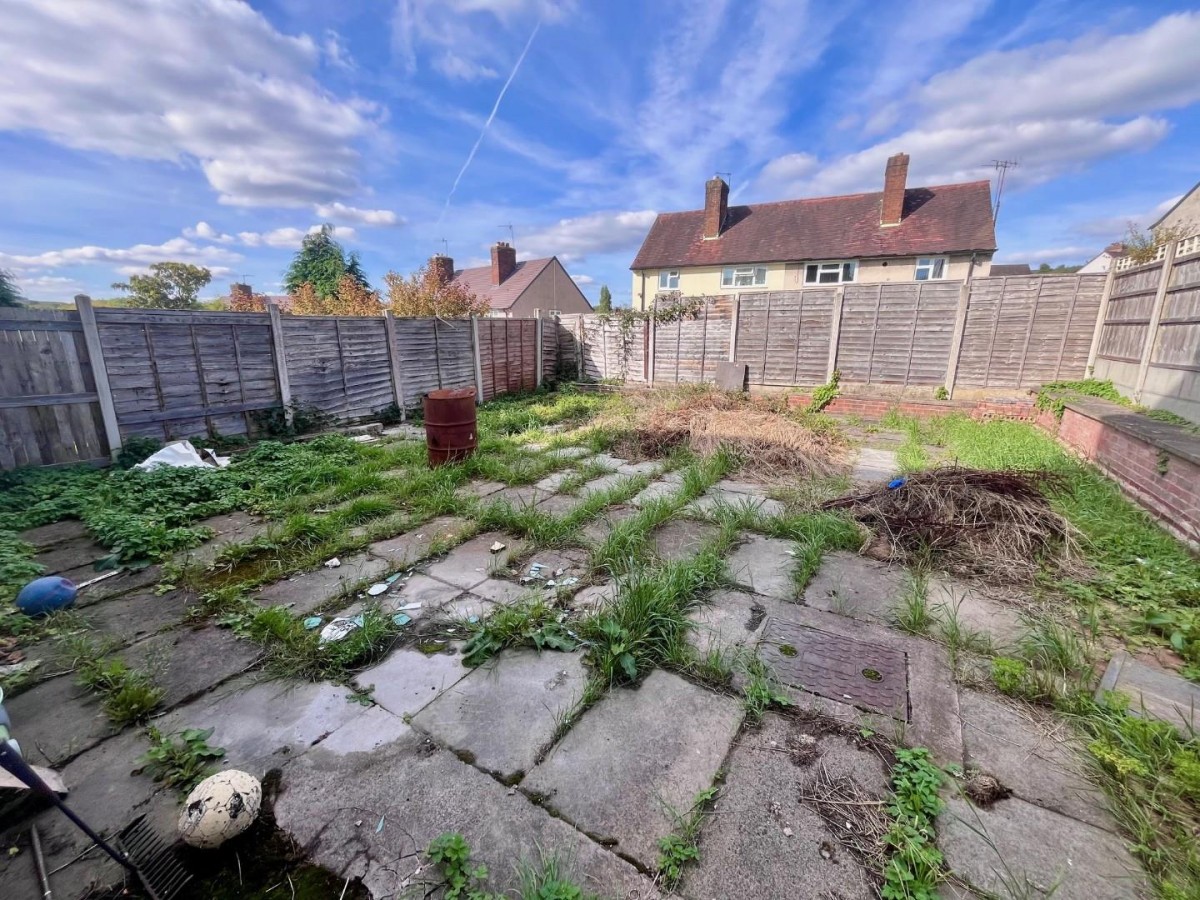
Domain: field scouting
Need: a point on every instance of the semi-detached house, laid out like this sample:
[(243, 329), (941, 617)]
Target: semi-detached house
[(897, 234)]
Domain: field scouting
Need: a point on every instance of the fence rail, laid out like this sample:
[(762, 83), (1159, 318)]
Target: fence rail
[(73, 385)]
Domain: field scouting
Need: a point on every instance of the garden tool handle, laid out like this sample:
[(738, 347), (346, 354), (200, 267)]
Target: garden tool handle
[(12, 761)]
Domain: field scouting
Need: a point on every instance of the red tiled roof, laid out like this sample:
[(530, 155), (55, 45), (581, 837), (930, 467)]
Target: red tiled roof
[(501, 296), (942, 219)]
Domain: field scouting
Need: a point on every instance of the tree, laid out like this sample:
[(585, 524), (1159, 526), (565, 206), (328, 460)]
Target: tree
[(349, 299), (243, 299), (170, 285), (604, 304), (1142, 247), (428, 292), (10, 294), (321, 261), (1047, 269), (305, 301)]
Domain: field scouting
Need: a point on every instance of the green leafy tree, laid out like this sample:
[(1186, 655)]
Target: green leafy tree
[(604, 304), (321, 261), (10, 294), (170, 285)]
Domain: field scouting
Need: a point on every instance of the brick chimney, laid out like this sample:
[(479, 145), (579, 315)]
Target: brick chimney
[(716, 206), (895, 177), (504, 261), (443, 265)]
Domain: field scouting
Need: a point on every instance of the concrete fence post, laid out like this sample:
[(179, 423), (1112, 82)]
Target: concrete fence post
[(835, 332), (1101, 315), (537, 321), (478, 361), (653, 323), (91, 339), (280, 354), (1160, 297), (389, 331), (580, 332), (733, 327), (956, 337)]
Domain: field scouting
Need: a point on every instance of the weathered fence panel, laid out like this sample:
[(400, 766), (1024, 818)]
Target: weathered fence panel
[(507, 355), (612, 351), (434, 353), (49, 411), (783, 336), (688, 349)]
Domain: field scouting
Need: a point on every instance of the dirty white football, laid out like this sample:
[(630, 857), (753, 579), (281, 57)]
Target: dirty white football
[(221, 807)]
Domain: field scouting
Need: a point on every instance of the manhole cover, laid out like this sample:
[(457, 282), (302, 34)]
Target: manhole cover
[(867, 675)]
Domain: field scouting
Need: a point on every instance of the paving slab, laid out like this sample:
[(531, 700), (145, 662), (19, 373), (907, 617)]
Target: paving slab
[(593, 596), (103, 791), (649, 467), (681, 539), (715, 499), (569, 562), (263, 723), (765, 566), (745, 853), (731, 486), (44, 537), (124, 582), (333, 802), (77, 556), (227, 529), (609, 462), (600, 527), (483, 488), (470, 563), (999, 622), (519, 497), (431, 593), (504, 592), (725, 621), (602, 484), (136, 615), (555, 480), (569, 453), (656, 490), (57, 720), (406, 549), (187, 662), (1029, 753), (855, 587), (467, 606), (635, 757), (407, 680), (502, 716), (1153, 692), (1014, 842), (305, 593), (559, 505), (871, 464)]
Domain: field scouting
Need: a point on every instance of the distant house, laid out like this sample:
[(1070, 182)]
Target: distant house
[(520, 288), (1184, 214), (1011, 269), (897, 234), (1102, 261)]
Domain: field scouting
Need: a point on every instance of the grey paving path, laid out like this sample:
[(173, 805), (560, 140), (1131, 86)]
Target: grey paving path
[(1014, 846), (1027, 750), (1162, 695), (716, 498), (763, 840), (765, 566), (308, 591), (634, 758), (187, 662), (371, 814), (857, 587), (406, 549), (600, 527), (56, 720), (137, 614), (726, 621), (409, 680), (502, 716), (470, 563), (871, 465), (656, 490), (681, 539)]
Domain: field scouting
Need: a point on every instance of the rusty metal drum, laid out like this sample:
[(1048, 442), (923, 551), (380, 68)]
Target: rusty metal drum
[(450, 432)]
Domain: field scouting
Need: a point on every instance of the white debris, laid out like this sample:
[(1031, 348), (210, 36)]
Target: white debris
[(332, 563), (497, 547), (339, 628), (182, 455), (376, 589)]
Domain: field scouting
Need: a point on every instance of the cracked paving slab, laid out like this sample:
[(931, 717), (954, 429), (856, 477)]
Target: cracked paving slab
[(472, 562)]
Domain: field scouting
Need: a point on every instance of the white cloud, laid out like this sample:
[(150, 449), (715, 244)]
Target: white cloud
[(176, 250), (290, 238), (460, 38), (205, 232), (1061, 255), (215, 271), (583, 279), (1054, 107), (207, 82), (50, 287), (336, 52), (603, 232), (340, 212)]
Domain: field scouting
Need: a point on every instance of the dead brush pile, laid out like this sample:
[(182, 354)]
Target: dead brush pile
[(770, 445), (972, 522)]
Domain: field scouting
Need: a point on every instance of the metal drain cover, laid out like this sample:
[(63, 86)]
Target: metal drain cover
[(866, 675)]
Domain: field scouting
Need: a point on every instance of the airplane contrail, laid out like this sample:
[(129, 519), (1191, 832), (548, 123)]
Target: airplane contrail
[(487, 124)]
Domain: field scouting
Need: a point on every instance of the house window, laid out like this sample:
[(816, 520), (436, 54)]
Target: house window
[(931, 268), (836, 272), (744, 276), (668, 281)]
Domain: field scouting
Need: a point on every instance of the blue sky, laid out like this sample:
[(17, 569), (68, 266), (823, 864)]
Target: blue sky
[(218, 132)]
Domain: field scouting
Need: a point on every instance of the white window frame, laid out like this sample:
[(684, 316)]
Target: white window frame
[(831, 266), (665, 279), (743, 276), (929, 263)]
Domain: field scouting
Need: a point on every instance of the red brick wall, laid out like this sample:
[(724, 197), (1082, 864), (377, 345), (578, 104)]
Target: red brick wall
[(1165, 484), (873, 408)]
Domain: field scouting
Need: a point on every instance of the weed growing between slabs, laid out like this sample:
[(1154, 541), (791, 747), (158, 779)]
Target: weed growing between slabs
[(466, 880), (127, 695), (682, 846)]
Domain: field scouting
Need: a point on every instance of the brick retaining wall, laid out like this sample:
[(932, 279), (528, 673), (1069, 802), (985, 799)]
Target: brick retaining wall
[(875, 408)]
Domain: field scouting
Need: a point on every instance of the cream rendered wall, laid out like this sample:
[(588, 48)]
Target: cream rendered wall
[(706, 280), (1186, 215)]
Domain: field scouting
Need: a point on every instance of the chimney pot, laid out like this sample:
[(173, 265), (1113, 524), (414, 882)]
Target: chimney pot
[(895, 179), (716, 206), (504, 261), (444, 266)]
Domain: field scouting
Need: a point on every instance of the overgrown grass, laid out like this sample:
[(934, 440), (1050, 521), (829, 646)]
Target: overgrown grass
[(682, 846), (294, 651), (127, 694)]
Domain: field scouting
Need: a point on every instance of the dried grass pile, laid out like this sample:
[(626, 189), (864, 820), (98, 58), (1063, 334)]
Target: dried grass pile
[(770, 445), (973, 522)]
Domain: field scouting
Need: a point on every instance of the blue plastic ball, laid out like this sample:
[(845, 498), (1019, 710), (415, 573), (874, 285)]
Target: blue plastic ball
[(43, 596)]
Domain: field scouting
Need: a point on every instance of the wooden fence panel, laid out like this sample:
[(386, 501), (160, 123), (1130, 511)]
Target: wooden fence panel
[(49, 412), (688, 349), (1178, 345), (455, 353), (508, 355), (783, 336)]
